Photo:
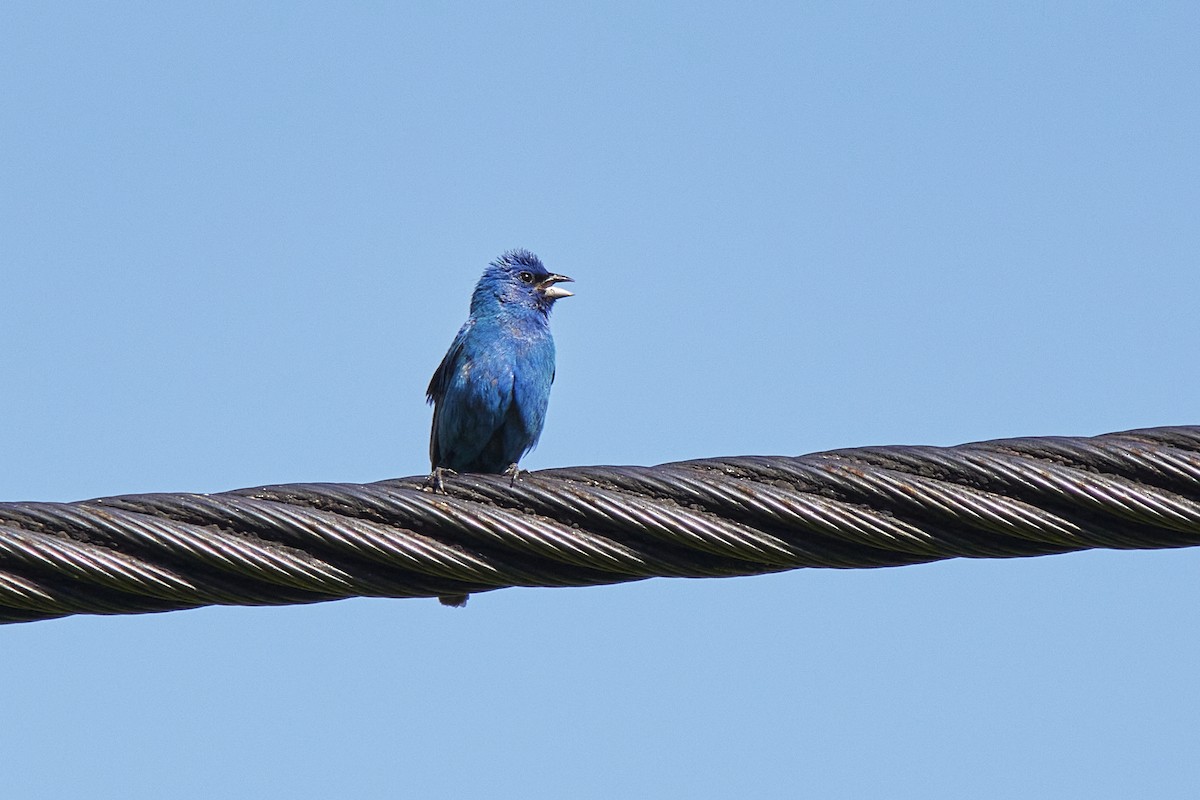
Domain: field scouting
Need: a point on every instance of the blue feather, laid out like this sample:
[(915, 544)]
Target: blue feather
[(491, 391)]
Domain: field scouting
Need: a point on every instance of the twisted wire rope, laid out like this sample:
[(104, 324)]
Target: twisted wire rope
[(852, 508)]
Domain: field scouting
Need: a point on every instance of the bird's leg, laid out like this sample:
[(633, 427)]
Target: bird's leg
[(513, 472), (435, 479)]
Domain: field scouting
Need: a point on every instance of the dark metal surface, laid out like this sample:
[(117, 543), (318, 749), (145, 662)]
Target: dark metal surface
[(854, 508)]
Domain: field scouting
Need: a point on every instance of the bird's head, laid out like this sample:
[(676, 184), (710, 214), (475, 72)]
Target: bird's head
[(518, 279)]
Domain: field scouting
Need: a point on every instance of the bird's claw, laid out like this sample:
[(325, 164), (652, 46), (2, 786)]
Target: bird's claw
[(513, 472), (434, 481)]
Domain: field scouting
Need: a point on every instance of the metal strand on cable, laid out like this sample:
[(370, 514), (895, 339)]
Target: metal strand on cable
[(585, 526)]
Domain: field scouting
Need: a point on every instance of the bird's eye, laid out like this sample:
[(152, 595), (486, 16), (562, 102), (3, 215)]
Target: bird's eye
[(526, 277)]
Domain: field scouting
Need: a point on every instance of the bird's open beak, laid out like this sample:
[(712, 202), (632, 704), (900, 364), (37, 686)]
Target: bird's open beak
[(552, 292)]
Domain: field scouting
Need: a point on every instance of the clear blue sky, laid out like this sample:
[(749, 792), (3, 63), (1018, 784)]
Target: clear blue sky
[(236, 239)]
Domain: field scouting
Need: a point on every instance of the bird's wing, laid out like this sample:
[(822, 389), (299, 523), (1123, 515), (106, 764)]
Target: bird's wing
[(445, 370), (438, 385), (472, 392)]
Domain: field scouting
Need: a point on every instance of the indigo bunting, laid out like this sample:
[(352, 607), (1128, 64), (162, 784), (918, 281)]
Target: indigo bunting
[(491, 390)]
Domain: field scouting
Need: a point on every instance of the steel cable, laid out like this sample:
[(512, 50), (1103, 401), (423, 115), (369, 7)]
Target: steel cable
[(853, 508)]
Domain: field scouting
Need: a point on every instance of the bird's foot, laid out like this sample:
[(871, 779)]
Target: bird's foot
[(513, 472), (455, 600), (434, 481)]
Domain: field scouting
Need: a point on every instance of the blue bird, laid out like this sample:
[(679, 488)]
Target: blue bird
[(492, 388)]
